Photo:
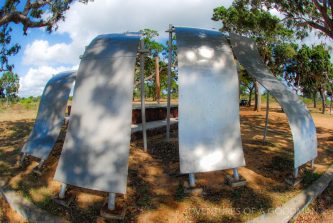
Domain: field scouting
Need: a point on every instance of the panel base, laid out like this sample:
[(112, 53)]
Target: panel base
[(193, 191), (231, 181), (292, 181), (117, 214), (66, 202)]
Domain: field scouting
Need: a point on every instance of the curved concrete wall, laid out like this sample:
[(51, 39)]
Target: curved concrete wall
[(300, 120), (96, 148), (50, 116), (209, 126)]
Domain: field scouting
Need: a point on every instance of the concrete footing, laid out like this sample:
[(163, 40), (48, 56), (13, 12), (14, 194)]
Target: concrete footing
[(66, 202), (234, 182), (27, 209), (116, 214), (292, 181), (193, 191)]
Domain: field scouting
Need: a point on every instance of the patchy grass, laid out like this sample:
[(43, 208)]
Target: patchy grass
[(155, 191), (310, 177)]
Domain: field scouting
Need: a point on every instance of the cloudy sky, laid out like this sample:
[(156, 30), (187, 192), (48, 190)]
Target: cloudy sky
[(43, 55)]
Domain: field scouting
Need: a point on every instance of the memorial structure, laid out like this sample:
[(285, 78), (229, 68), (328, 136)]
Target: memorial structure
[(209, 126), (50, 116), (96, 148), (301, 123)]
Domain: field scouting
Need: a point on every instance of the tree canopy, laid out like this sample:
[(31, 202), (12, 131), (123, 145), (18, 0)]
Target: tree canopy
[(9, 85), (30, 14), (301, 15), (305, 68)]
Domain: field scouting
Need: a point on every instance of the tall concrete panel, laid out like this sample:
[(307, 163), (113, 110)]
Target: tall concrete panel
[(96, 148), (301, 123), (209, 126), (50, 116)]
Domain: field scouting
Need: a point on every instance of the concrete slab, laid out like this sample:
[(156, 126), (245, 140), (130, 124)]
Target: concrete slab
[(152, 125), (293, 207), (28, 210)]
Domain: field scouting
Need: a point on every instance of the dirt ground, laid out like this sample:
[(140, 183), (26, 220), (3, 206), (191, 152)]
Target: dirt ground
[(155, 191)]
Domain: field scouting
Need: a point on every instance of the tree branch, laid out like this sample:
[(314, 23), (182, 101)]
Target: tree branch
[(323, 11), (146, 79)]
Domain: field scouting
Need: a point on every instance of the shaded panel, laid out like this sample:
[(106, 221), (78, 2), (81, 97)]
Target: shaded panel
[(96, 148), (50, 116), (209, 128), (300, 120)]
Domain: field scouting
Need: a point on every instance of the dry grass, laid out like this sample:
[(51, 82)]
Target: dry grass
[(155, 192), (321, 210)]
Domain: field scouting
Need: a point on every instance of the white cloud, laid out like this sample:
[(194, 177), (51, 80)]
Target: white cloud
[(85, 21), (33, 83), (40, 52)]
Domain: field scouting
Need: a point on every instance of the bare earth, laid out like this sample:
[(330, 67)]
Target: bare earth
[(155, 191)]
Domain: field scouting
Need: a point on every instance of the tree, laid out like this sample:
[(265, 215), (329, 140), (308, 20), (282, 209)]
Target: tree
[(313, 71), (302, 15), (30, 14), (260, 25), (246, 82), (330, 94), (9, 86)]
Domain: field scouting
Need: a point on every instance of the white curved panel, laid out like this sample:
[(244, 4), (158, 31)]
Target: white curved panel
[(96, 148), (50, 116), (209, 126), (300, 120)]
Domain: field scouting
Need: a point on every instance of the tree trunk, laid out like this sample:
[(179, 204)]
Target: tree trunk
[(257, 105), (250, 97), (315, 100), (323, 101), (331, 105), (158, 84)]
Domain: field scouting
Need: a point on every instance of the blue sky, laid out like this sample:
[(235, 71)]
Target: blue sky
[(43, 55)]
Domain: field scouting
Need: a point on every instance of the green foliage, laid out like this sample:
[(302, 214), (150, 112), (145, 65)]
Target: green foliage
[(6, 49), (304, 68), (9, 86), (29, 102), (180, 193), (266, 29), (302, 16), (33, 14), (310, 177), (152, 45), (255, 23), (311, 69), (157, 50)]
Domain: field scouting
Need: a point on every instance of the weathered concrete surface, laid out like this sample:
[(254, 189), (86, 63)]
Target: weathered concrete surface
[(152, 125), (293, 207), (28, 210)]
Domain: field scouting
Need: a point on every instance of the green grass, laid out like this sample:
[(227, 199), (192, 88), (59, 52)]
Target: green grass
[(180, 193), (310, 177)]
